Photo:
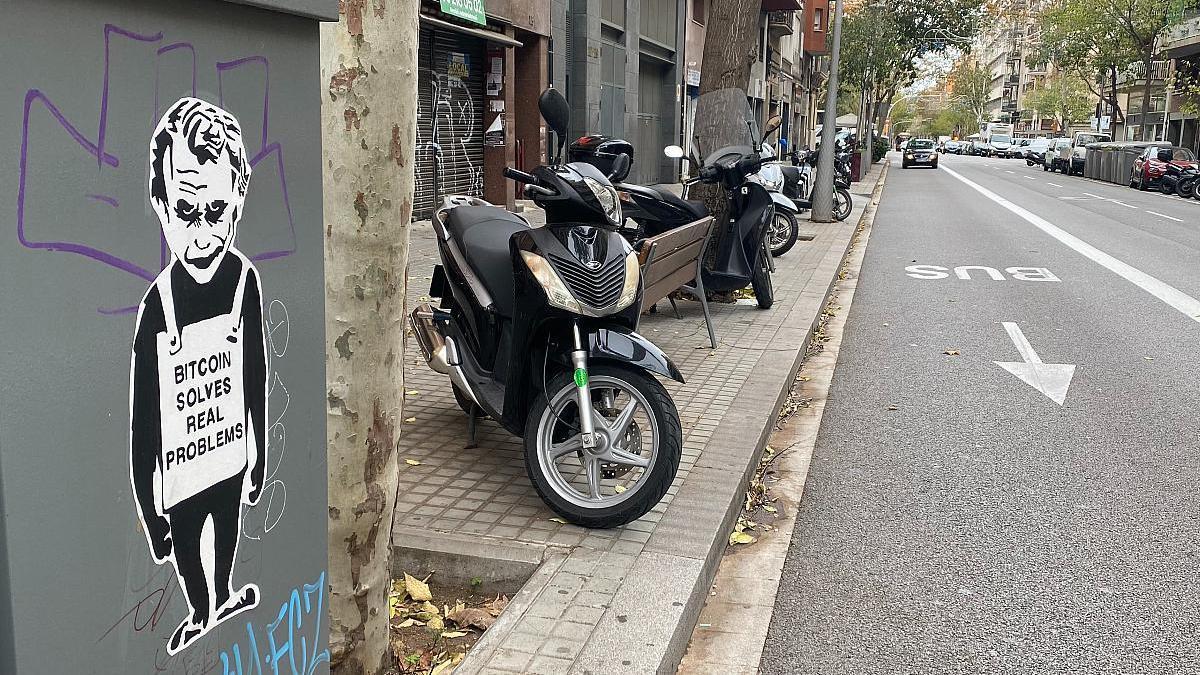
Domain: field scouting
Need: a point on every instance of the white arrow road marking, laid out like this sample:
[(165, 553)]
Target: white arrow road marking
[(1170, 295), (1052, 379)]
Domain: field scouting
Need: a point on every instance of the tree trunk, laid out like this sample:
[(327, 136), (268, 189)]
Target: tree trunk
[(368, 110), (730, 47), (1147, 125)]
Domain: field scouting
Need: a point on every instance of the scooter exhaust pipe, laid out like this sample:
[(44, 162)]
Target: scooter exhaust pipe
[(431, 342)]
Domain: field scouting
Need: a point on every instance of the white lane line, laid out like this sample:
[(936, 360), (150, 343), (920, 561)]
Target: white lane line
[(1009, 171), (1163, 215), (1109, 199), (1053, 184), (1028, 177), (1163, 291)]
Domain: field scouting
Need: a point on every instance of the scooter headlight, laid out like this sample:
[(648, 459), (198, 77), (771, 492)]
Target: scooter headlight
[(607, 196), (632, 274), (557, 293)]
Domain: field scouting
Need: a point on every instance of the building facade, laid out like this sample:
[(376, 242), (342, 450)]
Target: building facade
[(483, 64), (1181, 47), (619, 63)]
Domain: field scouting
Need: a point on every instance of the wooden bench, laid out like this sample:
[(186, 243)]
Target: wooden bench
[(671, 261)]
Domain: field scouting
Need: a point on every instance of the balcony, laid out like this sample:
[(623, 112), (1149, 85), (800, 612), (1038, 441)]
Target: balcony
[(1183, 36), (1009, 107), (1134, 76), (779, 23)]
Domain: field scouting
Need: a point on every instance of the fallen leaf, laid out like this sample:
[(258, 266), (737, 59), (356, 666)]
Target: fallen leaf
[(410, 420), (418, 590), (951, 352), (429, 608), (472, 617), (442, 667), (892, 407), (412, 462), (741, 538), (558, 520), (436, 624), (495, 607), (410, 622), (770, 509), (619, 489), (411, 392), (453, 634)]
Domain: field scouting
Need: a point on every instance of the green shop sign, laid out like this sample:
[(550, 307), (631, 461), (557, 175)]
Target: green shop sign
[(471, 10)]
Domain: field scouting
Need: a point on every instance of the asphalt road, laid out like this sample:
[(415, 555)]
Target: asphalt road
[(957, 519)]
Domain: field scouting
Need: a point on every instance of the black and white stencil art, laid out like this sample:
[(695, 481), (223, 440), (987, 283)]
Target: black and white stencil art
[(198, 398)]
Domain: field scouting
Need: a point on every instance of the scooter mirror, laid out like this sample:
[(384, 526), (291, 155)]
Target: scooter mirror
[(620, 168), (673, 151), (772, 124), (557, 113)]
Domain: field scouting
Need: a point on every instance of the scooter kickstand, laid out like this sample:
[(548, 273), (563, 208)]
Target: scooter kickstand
[(472, 426)]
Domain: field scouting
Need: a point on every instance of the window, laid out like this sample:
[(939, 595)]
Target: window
[(818, 19), (698, 11)]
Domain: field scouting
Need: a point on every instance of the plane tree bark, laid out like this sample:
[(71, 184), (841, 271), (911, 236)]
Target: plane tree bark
[(368, 111)]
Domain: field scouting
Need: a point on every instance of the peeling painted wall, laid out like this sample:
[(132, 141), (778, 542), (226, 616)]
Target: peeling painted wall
[(84, 83)]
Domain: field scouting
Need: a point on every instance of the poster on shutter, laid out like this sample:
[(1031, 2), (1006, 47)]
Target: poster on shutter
[(494, 136), (198, 397)]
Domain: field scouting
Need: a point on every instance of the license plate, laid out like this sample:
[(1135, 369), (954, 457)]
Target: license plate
[(922, 159)]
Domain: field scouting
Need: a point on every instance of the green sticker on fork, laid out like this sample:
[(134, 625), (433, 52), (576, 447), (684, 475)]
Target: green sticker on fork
[(581, 377)]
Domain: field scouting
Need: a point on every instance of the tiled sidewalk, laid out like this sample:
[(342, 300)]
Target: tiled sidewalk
[(482, 499)]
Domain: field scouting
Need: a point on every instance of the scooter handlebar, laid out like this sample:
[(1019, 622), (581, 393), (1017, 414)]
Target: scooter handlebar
[(520, 176)]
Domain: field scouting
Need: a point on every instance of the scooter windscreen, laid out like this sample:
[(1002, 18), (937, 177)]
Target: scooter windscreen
[(724, 129)]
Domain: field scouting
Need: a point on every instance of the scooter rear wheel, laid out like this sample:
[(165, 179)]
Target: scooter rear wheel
[(1186, 188), (639, 443)]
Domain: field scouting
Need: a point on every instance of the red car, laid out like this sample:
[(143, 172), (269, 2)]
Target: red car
[(1149, 167)]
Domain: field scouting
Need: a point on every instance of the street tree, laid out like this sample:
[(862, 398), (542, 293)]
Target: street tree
[(1064, 97), (971, 90), (368, 113), (885, 43), (1097, 37)]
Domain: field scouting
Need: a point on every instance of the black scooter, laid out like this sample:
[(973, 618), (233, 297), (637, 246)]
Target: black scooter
[(742, 258), (1177, 179), (536, 329), (799, 180)]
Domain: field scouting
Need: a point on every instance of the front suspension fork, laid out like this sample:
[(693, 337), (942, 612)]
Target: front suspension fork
[(583, 389)]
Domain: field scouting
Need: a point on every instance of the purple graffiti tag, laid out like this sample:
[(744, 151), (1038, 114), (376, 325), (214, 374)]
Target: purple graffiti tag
[(36, 212), (111, 201)]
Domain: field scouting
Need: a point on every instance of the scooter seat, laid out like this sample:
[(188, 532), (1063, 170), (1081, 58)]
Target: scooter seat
[(482, 234), (696, 208)]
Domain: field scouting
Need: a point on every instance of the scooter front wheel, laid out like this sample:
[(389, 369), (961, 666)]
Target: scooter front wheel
[(760, 281), (842, 204), (636, 455), (784, 232)]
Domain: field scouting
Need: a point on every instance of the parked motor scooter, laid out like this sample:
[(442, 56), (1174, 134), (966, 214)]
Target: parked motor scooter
[(800, 181), (535, 327), (725, 134), (784, 229), (1178, 177)]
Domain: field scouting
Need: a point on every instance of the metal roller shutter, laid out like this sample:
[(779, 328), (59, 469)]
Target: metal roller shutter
[(449, 113)]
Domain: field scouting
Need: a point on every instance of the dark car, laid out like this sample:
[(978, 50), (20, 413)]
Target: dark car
[(1149, 167), (920, 152), (1036, 151)]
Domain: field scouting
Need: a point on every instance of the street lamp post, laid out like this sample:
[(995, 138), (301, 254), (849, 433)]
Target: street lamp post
[(822, 205)]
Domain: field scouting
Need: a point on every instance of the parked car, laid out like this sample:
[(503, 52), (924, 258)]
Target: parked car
[(920, 151), (1078, 153), (1150, 166), (1036, 151), (950, 147), (1058, 156), (980, 148), (1022, 147)]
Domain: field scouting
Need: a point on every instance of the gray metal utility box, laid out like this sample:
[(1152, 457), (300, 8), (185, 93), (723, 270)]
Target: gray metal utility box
[(162, 378)]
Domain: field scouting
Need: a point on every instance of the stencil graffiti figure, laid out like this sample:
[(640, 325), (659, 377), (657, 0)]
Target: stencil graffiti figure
[(198, 395)]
